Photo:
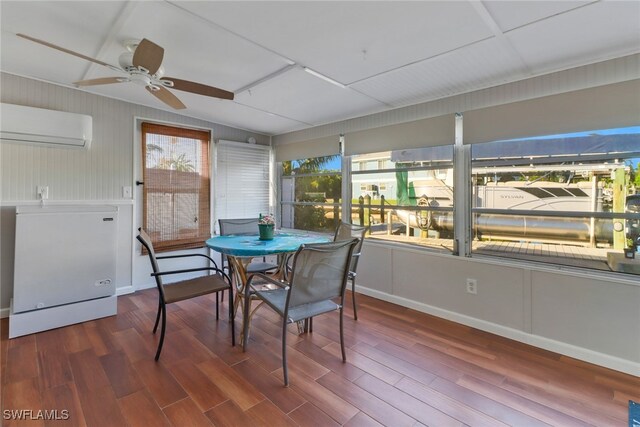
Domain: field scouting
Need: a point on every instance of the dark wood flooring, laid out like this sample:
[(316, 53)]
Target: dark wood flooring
[(403, 368)]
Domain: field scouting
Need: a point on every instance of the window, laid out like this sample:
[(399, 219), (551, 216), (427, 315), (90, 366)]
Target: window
[(564, 199), (311, 193), (405, 195), (176, 186), (242, 180)]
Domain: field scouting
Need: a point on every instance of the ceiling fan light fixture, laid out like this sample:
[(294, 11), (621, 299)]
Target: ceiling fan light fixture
[(323, 77), (140, 79)]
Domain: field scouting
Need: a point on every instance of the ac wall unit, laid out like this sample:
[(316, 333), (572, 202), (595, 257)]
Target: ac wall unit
[(20, 124)]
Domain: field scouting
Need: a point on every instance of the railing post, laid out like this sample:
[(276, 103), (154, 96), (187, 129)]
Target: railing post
[(382, 208), (367, 210), (361, 209)]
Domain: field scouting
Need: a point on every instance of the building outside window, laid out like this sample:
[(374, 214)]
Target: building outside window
[(405, 195), (568, 199), (311, 194)]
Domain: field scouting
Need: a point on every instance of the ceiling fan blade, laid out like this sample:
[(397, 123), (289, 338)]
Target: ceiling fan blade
[(167, 97), (101, 81), (148, 55), (199, 88), (70, 52)]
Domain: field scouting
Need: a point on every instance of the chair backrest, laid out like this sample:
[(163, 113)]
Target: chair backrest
[(347, 231), (238, 226), (144, 238), (320, 272)]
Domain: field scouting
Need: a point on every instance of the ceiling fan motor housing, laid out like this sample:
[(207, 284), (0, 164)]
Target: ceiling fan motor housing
[(126, 61)]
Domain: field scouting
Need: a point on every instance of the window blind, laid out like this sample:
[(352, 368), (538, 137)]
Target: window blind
[(419, 133), (176, 212), (242, 180), (326, 146), (603, 107)]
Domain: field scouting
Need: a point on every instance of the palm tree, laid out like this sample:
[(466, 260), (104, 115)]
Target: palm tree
[(311, 165), (178, 163)]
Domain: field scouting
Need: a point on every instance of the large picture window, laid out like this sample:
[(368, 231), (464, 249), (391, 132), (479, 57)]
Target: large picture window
[(176, 211), (311, 193), (405, 195), (568, 199)]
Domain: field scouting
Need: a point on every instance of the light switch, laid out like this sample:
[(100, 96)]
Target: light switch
[(42, 191), (126, 192)]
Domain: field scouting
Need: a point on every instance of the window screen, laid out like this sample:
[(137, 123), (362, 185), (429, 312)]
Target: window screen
[(176, 211)]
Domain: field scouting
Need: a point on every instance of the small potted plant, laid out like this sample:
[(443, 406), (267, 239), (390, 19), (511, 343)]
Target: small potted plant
[(630, 250), (266, 224)]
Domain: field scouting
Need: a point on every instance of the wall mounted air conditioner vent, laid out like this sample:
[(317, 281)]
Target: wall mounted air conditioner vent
[(29, 125)]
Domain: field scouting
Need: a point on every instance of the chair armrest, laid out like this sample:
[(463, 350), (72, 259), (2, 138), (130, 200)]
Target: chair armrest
[(188, 255), (191, 270)]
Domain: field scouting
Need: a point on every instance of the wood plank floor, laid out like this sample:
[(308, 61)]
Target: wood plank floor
[(403, 368)]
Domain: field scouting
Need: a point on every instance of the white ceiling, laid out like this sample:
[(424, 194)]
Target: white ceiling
[(387, 54)]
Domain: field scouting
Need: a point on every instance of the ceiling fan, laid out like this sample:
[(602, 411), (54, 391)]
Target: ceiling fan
[(143, 63)]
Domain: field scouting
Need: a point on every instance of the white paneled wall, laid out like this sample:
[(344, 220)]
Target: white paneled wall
[(89, 176), (586, 316)]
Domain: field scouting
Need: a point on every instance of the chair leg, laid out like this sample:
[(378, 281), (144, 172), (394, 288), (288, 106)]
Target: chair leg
[(164, 325), (284, 353), (311, 324), (155, 326), (217, 306), (353, 298), (245, 322), (232, 320), (344, 355)]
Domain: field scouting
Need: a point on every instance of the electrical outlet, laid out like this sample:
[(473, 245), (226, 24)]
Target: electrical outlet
[(126, 192), (42, 191), (472, 286)]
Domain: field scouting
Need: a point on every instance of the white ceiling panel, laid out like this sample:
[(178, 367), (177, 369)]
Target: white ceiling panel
[(79, 26), (512, 14), (598, 31), (350, 41), (304, 97), (483, 64), (194, 49)]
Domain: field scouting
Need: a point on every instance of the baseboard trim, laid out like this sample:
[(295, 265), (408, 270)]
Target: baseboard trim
[(4, 312), (570, 350), (125, 290)]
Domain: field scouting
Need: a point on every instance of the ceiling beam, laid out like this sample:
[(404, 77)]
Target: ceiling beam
[(488, 20), (125, 14)]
